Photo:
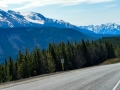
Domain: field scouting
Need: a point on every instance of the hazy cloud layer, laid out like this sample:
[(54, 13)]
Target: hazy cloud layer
[(38, 3), (113, 5)]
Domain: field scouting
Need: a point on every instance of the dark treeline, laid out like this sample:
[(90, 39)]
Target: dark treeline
[(76, 55), (115, 40)]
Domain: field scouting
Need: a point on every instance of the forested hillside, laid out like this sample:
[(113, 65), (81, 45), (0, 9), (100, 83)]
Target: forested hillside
[(76, 55), (115, 40), (15, 39)]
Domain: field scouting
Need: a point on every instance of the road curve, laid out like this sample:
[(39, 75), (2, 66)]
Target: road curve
[(105, 77)]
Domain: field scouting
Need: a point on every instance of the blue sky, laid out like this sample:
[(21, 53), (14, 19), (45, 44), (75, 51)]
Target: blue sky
[(77, 12)]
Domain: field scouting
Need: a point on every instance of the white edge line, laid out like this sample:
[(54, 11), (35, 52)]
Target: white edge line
[(116, 85)]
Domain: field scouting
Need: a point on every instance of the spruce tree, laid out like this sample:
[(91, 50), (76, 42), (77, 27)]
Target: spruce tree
[(11, 68)]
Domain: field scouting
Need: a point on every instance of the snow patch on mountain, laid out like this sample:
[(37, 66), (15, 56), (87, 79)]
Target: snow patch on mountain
[(32, 17), (10, 24)]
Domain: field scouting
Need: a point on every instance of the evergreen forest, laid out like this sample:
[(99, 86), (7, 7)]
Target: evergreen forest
[(42, 61)]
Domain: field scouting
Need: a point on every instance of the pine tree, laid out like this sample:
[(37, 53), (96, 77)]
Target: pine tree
[(109, 50), (6, 69), (11, 68), (51, 63), (53, 54), (16, 70), (85, 54), (117, 51), (2, 74), (70, 55)]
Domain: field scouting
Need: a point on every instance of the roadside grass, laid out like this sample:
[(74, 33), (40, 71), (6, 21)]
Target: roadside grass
[(111, 61)]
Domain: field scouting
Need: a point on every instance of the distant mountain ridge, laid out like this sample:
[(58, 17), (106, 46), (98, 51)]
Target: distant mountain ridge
[(109, 28), (29, 19), (12, 19)]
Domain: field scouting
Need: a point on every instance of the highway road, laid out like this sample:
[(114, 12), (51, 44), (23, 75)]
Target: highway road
[(105, 77)]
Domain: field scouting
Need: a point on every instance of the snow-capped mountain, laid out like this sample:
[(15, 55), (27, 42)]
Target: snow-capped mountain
[(28, 19), (109, 28), (11, 19), (20, 30)]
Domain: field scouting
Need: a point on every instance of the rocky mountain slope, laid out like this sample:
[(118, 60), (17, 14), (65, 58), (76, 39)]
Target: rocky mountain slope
[(13, 40)]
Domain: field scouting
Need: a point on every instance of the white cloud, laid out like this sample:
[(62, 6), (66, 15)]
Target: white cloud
[(3, 5), (99, 1), (6, 3), (38, 3)]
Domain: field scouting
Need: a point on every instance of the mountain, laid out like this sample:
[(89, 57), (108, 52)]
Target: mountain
[(109, 28), (20, 30), (12, 19), (14, 39)]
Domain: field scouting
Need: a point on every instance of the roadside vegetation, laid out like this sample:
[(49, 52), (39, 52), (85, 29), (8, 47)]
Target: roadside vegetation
[(111, 61), (76, 55), (115, 41)]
